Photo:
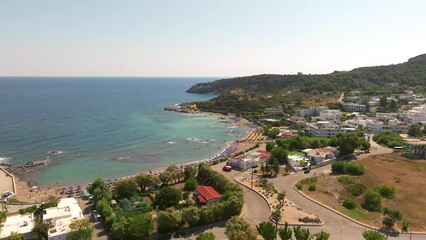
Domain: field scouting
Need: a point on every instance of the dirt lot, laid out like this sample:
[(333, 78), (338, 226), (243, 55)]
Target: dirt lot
[(320, 100), (407, 176)]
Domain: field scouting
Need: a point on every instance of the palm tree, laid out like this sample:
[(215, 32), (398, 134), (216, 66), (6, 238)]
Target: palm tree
[(285, 233), (302, 233)]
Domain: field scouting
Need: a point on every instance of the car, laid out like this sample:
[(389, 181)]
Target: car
[(306, 171), (227, 168), (96, 215), (7, 194)]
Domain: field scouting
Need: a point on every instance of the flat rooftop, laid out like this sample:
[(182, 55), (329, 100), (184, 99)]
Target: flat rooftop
[(17, 223)]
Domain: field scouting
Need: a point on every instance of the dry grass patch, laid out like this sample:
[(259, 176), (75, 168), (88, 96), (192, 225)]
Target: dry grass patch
[(407, 176)]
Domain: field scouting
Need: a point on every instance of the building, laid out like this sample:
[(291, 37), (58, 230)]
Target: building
[(18, 223), (374, 101), (250, 159), (326, 129), (321, 154), (206, 195), (415, 149), (415, 115), (395, 125), (296, 121), (385, 116), (331, 115), (374, 126), (310, 112), (354, 107), (60, 217), (278, 110)]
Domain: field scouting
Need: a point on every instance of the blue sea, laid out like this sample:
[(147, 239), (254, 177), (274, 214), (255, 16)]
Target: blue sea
[(103, 127)]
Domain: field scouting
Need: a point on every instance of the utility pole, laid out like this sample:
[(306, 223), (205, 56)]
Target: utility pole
[(252, 169)]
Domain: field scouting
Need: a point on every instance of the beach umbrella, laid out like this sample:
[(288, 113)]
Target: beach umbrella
[(64, 189), (62, 193), (71, 191)]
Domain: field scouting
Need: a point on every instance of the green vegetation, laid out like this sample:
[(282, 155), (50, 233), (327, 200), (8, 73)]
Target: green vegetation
[(312, 187), (389, 139), (206, 236), (346, 180), (372, 201), (357, 189), (80, 230), (191, 184), (415, 130), (168, 197), (15, 236), (267, 230), (349, 204), (238, 229), (351, 168), (373, 235), (385, 191), (299, 186)]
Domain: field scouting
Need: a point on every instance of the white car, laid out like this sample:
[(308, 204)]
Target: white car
[(7, 194), (96, 215)]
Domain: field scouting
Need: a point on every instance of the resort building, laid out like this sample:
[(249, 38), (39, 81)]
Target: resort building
[(310, 112), (374, 126), (296, 121), (374, 101), (326, 129), (415, 115), (206, 195), (330, 115), (321, 154), (22, 224), (385, 116), (60, 217), (250, 159), (354, 107)]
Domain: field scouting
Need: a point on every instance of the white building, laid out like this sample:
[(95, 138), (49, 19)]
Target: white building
[(321, 154), (374, 101), (331, 115), (309, 112), (276, 110), (326, 129), (60, 217), (374, 126), (415, 115), (385, 116), (354, 107), (18, 223), (250, 159)]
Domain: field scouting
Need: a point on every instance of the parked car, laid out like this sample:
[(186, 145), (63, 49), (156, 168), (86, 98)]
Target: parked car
[(306, 171), (7, 194), (227, 168), (96, 215)]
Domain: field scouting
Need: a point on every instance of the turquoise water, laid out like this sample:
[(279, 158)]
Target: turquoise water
[(103, 127)]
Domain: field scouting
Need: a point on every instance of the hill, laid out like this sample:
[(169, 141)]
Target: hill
[(266, 90)]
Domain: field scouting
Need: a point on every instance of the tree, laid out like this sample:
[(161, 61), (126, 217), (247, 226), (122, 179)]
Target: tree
[(280, 154), (15, 236), (191, 184), (166, 177), (168, 197), (238, 229), (191, 216), (383, 101), (269, 146), (372, 201), (125, 189), (190, 171), (372, 235), (267, 230), (3, 216), (321, 235), (276, 167), (267, 168), (147, 181), (301, 233), (40, 230), (175, 172), (285, 233), (80, 230), (233, 206), (388, 222), (281, 198), (404, 225), (168, 221), (262, 167), (415, 130), (206, 236), (347, 143), (393, 106), (140, 226)]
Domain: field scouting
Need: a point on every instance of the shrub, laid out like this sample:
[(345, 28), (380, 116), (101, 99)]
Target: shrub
[(22, 211), (386, 191), (357, 189), (372, 201), (312, 187), (338, 167), (349, 204), (191, 184), (309, 220), (346, 180), (309, 180), (299, 186), (351, 168)]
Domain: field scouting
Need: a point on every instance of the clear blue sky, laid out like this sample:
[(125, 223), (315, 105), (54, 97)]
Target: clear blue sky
[(205, 38)]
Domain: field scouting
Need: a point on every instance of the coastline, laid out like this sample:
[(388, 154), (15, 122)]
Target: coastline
[(27, 194)]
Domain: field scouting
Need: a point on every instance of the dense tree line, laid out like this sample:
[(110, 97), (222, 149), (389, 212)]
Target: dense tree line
[(389, 139)]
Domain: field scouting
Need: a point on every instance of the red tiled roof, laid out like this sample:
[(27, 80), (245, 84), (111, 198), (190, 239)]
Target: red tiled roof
[(265, 154), (206, 193)]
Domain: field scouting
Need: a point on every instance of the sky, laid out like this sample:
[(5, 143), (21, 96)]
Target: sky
[(225, 38)]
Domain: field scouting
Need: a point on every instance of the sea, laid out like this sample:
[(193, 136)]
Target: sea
[(106, 127)]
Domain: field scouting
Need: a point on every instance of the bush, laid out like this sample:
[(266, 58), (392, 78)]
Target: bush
[(191, 184), (349, 204), (312, 187), (386, 191), (357, 189), (346, 180), (299, 186), (22, 211), (389, 139), (309, 180), (372, 201), (351, 168), (309, 220)]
